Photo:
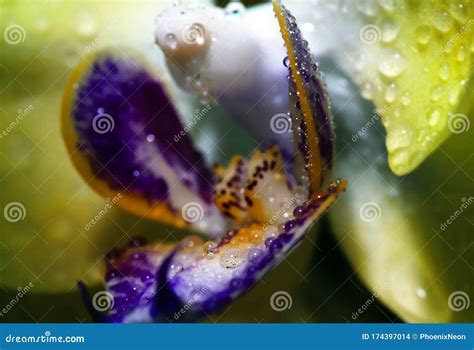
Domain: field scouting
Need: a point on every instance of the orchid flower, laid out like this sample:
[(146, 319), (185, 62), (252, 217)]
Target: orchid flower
[(119, 125), (399, 74)]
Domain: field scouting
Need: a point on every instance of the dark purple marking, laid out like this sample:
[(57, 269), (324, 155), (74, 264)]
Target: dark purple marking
[(116, 91)]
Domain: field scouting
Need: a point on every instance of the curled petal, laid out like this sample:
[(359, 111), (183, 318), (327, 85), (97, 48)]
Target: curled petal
[(309, 102)]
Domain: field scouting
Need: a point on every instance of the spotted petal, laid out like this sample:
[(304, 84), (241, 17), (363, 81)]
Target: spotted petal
[(125, 138), (189, 281)]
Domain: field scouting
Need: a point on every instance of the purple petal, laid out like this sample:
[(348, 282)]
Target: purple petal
[(121, 126), (198, 279)]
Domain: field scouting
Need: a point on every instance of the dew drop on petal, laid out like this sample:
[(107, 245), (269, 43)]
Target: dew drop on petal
[(444, 71), (436, 92), (392, 63), (171, 42), (232, 258), (434, 115), (390, 93), (423, 34), (442, 21), (390, 30)]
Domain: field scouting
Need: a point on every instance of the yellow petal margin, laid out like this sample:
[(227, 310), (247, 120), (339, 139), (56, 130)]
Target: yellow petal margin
[(415, 63)]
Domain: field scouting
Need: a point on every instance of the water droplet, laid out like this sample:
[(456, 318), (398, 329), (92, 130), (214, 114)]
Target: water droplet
[(390, 30), (367, 90), (392, 63), (150, 138), (286, 62), (390, 93), (423, 34), (453, 96), (434, 115), (436, 92), (461, 54), (421, 293), (458, 10), (401, 136), (204, 97), (254, 255), (171, 42), (406, 98), (136, 173), (444, 71), (232, 258), (85, 25), (235, 8), (442, 21)]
